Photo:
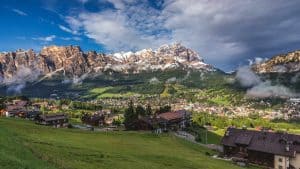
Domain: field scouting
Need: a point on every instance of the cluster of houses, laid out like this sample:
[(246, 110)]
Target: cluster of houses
[(175, 120), (288, 111), (276, 150), (270, 149), (23, 109), (20, 108)]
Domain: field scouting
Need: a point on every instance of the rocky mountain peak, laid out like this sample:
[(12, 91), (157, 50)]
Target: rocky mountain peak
[(73, 62), (180, 51), (289, 62)]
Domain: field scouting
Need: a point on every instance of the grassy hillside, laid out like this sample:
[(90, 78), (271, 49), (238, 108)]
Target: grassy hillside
[(25, 145)]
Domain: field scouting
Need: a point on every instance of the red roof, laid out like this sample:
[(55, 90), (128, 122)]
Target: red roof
[(173, 115)]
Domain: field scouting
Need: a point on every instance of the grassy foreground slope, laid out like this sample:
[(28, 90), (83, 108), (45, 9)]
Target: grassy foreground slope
[(26, 145)]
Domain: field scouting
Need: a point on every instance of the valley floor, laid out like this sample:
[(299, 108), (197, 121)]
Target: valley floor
[(26, 145)]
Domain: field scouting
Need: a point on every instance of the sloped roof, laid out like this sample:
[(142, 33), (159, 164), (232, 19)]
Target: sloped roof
[(50, 117), (174, 115), (263, 141)]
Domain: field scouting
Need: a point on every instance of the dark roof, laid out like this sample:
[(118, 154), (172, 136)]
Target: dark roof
[(12, 108), (244, 139), (174, 115), (152, 120), (50, 117), (263, 141)]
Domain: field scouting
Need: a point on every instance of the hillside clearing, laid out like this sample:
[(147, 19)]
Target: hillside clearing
[(26, 145)]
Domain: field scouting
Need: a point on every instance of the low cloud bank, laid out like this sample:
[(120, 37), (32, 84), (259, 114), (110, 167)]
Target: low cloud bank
[(246, 77), (266, 89), (17, 82), (154, 80), (76, 80), (259, 88)]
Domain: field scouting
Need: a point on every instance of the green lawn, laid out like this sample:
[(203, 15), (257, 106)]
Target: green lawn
[(25, 145)]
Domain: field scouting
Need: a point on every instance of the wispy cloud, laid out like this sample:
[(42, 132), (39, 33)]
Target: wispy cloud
[(19, 12), (222, 32), (261, 89), (133, 26), (74, 32), (46, 38)]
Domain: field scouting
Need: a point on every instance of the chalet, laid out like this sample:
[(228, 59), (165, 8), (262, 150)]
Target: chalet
[(15, 111), (269, 149), (56, 120), (16, 108), (97, 119), (150, 123), (179, 119), (175, 120)]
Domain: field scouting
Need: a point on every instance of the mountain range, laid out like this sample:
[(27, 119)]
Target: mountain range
[(60, 67), (73, 62)]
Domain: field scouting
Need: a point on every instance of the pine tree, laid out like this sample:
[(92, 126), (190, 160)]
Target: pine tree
[(140, 110), (130, 116), (148, 110)]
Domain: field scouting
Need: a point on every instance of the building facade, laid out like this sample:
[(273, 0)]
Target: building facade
[(55, 120), (270, 149)]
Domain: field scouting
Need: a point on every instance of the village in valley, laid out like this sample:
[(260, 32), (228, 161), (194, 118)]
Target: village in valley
[(150, 84), (207, 125)]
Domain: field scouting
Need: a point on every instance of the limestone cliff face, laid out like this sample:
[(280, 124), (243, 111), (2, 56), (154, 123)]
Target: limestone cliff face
[(73, 62), (71, 59), (282, 63)]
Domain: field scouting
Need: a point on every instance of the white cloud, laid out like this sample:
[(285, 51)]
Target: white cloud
[(74, 32), (229, 30), (266, 89), (45, 39), (222, 32), (246, 77), (123, 29), (257, 60), (258, 88), (74, 23), (19, 12), (23, 75)]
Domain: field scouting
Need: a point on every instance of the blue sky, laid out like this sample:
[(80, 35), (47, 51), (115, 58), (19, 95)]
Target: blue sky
[(225, 33)]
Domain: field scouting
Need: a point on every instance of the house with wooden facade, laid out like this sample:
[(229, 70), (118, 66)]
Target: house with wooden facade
[(270, 149), (55, 120), (169, 121), (16, 108), (96, 119)]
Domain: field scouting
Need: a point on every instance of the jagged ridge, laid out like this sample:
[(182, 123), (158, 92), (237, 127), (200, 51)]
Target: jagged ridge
[(285, 63), (73, 62)]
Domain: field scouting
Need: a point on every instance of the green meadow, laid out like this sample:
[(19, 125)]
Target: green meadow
[(25, 145)]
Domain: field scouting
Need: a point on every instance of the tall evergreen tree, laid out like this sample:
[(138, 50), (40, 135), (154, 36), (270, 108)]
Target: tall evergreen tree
[(130, 116), (148, 110), (140, 110)]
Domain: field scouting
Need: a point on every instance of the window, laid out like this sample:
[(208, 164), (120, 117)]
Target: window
[(280, 159), (280, 167)]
